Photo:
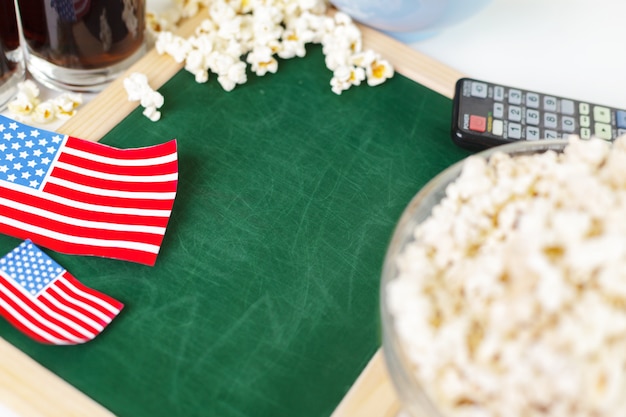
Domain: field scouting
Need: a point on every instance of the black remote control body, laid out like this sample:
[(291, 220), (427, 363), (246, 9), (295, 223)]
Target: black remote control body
[(487, 114)]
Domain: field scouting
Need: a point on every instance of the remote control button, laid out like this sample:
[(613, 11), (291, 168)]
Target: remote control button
[(549, 103), (620, 117), (515, 114), (550, 134), (478, 89), (568, 124), (515, 96), (498, 110), (532, 133), (550, 120), (498, 93), (585, 133), (585, 121), (532, 100), (514, 131), (497, 128), (603, 131), (583, 108), (567, 106), (477, 123), (532, 117), (601, 114)]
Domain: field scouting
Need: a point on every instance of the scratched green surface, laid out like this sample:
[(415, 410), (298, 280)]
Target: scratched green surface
[(264, 299)]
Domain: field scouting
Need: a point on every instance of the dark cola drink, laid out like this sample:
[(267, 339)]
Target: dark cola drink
[(11, 59), (82, 44)]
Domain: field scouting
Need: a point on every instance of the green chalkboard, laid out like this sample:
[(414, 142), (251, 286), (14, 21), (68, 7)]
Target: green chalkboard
[(264, 298)]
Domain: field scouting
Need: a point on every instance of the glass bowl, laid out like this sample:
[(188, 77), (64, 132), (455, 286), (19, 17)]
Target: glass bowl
[(410, 20), (413, 398)]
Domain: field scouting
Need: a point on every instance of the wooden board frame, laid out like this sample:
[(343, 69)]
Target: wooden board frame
[(23, 379)]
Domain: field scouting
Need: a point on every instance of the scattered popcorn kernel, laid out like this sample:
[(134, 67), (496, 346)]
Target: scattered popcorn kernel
[(138, 89), (262, 60), (245, 30), (27, 106), (66, 104), (345, 77), (44, 113), (378, 72)]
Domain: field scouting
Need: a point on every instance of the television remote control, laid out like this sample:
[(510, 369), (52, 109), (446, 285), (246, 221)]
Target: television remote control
[(486, 114)]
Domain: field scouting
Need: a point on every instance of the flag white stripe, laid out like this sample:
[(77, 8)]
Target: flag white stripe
[(116, 177), (79, 222), (91, 297), (84, 305), (144, 247), (113, 193), (36, 316), (91, 207), (121, 162)]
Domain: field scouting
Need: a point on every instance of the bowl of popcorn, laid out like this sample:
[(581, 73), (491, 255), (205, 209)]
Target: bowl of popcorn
[(410, 20), (503, 291)]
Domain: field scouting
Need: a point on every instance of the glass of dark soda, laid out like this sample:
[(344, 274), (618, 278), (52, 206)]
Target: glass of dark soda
[(81, 45)]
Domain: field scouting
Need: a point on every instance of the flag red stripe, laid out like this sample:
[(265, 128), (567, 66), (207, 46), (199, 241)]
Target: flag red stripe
[(62, 246), (82, 231), (77, 213), (101, 149), (159, 169), (105, 184), (84, 197)]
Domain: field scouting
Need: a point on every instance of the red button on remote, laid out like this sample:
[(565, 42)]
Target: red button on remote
[(477, 123)]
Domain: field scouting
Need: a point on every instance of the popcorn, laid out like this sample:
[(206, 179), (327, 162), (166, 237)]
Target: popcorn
[(65, 104), (344, 77), (511, 300), (262, 60), (240, 32), (138, 89), (27, 106)]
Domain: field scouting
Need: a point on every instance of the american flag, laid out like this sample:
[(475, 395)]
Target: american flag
[(47, 303), (85, 198), (71, 10)]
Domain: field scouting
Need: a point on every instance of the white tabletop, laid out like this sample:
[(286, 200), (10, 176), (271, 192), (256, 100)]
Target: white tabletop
[(570, 48)]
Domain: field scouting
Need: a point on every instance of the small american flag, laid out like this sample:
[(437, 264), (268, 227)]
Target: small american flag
[(47, 303), (71, 10), (85, 198)]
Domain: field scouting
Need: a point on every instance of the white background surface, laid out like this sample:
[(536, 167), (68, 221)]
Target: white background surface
[(571, 48)]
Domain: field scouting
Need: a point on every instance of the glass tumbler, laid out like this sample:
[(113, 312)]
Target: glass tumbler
[(12, 67), (81, 45)]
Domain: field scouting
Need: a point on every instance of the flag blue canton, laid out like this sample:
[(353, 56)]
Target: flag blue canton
[(30, 267), (26, 153)]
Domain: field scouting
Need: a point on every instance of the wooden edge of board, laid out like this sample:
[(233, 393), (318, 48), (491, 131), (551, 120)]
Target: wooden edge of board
[(29, 389), (372, 394)]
